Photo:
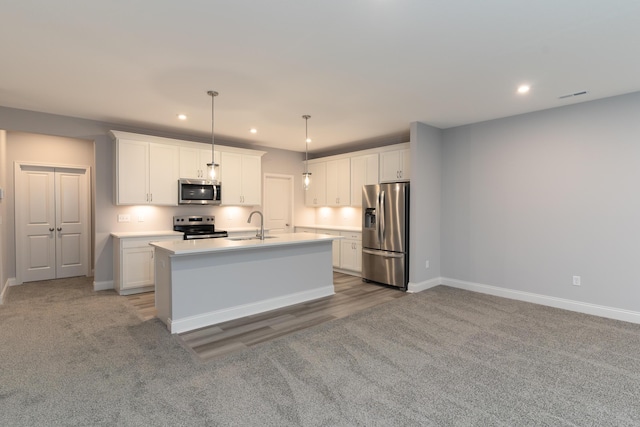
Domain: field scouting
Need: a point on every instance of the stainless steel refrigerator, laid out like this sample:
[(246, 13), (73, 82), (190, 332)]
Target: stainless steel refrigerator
[(385, 234)]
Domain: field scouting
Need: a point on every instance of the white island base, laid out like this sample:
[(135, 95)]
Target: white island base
[(205, 282)]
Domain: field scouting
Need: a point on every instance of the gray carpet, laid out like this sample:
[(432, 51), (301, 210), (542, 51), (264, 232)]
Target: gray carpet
[(70, 356)]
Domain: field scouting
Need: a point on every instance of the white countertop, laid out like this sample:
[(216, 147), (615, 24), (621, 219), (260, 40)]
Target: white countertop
[(198, 246), (332, 227), (125, 234)]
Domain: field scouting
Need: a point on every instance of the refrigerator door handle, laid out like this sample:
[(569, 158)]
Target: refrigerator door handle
[(382, 218), (383, 253)]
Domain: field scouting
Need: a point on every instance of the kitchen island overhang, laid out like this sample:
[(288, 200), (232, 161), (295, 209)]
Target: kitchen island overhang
[(204, 282)]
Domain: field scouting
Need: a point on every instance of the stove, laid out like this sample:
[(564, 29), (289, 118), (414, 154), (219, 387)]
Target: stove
[(197, 227)]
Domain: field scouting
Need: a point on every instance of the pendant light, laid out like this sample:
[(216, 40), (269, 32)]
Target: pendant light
[(211, 167), (306, 180)]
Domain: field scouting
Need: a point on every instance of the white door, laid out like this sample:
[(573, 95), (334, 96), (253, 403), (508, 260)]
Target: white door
[(51, 223), (278, 203)]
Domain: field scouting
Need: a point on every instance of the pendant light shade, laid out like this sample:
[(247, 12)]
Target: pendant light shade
[(211, 167), (306, 175)]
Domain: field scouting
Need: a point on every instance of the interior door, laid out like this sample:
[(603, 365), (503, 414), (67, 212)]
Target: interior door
[(278, 203), (36, 238), (71, 223), (51, 223)]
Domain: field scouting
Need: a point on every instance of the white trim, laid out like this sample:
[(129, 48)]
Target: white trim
[(413, 287), (11, 281), (566, 304), (103, 286), (218, 316), (18, 225)]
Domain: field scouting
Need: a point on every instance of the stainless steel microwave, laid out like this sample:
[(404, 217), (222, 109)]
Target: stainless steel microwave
[(199, 192)]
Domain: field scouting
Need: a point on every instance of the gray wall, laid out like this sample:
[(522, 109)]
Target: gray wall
[(425, 207), (105, 212), (532, 200)]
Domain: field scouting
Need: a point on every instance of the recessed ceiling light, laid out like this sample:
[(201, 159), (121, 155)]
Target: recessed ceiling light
[(523, 88), (182, 116), (253, 130)]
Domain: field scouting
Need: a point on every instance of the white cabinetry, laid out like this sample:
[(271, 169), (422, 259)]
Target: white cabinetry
[(146, 173), (316, 195), (134, 263), (395, 165), (347, 252), (193, 162), (240, 177), (351, 251), (364, 171), (338, 182)]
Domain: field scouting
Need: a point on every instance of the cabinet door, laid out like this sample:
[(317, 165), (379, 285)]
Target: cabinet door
[(405, 171), (132, 172), (364, 171), (389, 166), (316, 195), (335, 246), (251, 180), (137, 267), (164, 168), (231, 169), (190, 163), (338, 182), (395, 166), (351, 255)]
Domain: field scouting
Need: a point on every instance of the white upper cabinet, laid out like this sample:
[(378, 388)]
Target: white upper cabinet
[(364, 171), (132, 172), (193, 162), (240, 176), (148, 169), (339, 182), (163, 174), (395, 165), (316, 195), (146, 173)]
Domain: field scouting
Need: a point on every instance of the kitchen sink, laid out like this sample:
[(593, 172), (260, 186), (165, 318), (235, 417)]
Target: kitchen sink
[(236, 239)]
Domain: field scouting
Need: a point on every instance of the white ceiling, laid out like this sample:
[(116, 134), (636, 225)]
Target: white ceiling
[(361, 68)]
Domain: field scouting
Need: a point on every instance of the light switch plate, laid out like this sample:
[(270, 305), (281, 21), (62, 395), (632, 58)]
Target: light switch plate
[(124, 218)]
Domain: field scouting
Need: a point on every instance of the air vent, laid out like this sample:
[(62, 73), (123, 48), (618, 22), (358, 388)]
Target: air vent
[(584, 92)]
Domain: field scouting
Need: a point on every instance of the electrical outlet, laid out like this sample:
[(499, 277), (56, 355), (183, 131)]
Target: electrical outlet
[(124, 218), (576, 280), (426, 264)]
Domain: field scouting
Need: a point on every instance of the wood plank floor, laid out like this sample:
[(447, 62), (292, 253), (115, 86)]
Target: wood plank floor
[(352, 295)]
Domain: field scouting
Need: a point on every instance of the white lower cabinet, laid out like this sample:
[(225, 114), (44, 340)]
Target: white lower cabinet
[(347, 252), (351, 251), (134, 263)]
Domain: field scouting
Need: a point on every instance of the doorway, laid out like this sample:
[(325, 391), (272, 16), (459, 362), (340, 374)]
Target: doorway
[(52, 221), (278, 203)]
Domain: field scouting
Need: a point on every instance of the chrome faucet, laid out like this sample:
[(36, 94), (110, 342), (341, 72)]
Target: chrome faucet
[(261, 234)]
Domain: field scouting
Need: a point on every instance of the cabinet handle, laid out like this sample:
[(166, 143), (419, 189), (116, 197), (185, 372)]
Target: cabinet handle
[(59, 228), (51, 229), (151, 197)]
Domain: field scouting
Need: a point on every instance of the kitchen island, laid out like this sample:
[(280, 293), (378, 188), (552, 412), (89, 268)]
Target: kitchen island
[(209, 281)]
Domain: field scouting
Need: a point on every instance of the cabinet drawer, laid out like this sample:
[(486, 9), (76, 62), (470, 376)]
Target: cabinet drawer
[(305, 230), (353, 235), (143, 242)]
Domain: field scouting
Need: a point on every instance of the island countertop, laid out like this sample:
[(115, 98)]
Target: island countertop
[(199, 246)]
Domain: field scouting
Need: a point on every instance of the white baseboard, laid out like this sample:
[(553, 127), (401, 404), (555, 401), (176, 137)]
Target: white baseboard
[(219, 316), (566, 304), (11, 281), (104, 285), (413, 287)]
